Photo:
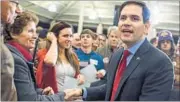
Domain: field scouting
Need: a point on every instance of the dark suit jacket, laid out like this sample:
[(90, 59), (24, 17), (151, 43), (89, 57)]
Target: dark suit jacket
[(148, 77), (25, 81)]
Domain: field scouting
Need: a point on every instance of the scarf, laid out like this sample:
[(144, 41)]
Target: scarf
[(26, 54)]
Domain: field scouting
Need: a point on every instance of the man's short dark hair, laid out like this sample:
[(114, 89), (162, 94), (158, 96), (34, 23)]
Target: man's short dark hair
[(145, 9)]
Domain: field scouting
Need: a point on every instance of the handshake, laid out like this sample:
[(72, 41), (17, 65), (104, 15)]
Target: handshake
[(70, 94), (73, 94)]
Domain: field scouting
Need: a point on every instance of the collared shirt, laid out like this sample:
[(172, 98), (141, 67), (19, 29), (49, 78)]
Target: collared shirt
[(132, 51)]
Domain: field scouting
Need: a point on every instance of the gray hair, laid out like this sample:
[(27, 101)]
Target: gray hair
[(112, 28)]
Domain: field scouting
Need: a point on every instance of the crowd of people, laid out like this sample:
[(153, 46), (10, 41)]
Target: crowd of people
[(35, 61)]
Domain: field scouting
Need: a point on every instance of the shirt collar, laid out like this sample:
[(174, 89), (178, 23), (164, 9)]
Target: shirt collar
[(135, 47)]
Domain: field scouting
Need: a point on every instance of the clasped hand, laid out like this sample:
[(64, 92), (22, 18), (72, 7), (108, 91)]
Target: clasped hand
[(73, 94)]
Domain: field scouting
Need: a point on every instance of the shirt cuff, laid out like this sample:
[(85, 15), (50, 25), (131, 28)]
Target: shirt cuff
[(84, 93)]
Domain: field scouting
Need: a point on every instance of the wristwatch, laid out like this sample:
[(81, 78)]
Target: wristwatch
[(82, 92)]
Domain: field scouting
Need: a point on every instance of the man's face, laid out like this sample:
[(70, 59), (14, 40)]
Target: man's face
[(76, 41), (86, 40), (113, 39), (131, 26), (8, 11), (102, 40)]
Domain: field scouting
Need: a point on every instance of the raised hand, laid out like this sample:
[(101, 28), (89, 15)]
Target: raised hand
[(51, 37)]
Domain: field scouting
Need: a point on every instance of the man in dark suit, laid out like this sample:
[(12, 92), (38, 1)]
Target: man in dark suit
[(147, 74)]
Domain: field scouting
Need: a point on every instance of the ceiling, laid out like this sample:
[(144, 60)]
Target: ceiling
[(165, 14)]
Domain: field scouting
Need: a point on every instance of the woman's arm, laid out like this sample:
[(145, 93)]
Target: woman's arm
[(52, 54)]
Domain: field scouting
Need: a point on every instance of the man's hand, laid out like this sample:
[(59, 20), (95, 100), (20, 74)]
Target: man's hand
[(48, 91), (72, 94)]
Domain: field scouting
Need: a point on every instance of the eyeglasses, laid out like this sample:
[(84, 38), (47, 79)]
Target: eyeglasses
[(18, 7), (15, 1)]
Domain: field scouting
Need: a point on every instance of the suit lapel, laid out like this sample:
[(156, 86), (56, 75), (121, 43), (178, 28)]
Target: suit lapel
[(112, 67), (135, 61), (15, 51), (30, 64)]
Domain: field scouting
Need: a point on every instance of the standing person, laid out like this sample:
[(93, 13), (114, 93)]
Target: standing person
[(76, 41), (177, 66), (166, 43), (95, 44), (176, 90), (111, 46), (23, 32), (139, 72), (154, 41), (102, 40), (107, 50), (58, 60), (85, 54), (9, 10)]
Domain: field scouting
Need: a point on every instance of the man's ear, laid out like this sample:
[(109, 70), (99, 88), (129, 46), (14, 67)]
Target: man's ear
[(146, 27)]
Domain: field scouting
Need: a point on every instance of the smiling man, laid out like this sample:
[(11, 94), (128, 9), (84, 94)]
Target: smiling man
[(138, 73)]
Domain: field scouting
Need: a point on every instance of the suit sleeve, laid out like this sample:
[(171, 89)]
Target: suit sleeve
[(158, 82), (25, 87), (96, 93), (8, 90)]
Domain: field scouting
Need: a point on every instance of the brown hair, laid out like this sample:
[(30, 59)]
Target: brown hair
[(70, 55), (22, 20), (88, 31)]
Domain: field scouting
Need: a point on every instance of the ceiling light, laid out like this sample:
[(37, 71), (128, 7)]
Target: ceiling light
[(52, 8), (92, 15)]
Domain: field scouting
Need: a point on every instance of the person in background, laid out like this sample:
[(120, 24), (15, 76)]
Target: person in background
[(9, 10), (86, 55), (177, 66), (176, 89), (76, 41), (111, 46), (95, 44), (107, 50), (23, 33), (41, 43), (38, 29), (166, 43), (57, 61), (102, 40), (154, 41), (42, 39)]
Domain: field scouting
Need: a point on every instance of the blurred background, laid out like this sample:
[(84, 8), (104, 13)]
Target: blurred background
[(99, 15)]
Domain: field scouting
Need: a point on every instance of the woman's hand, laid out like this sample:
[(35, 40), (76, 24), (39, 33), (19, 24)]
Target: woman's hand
[(81, 79), (51, 37)]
